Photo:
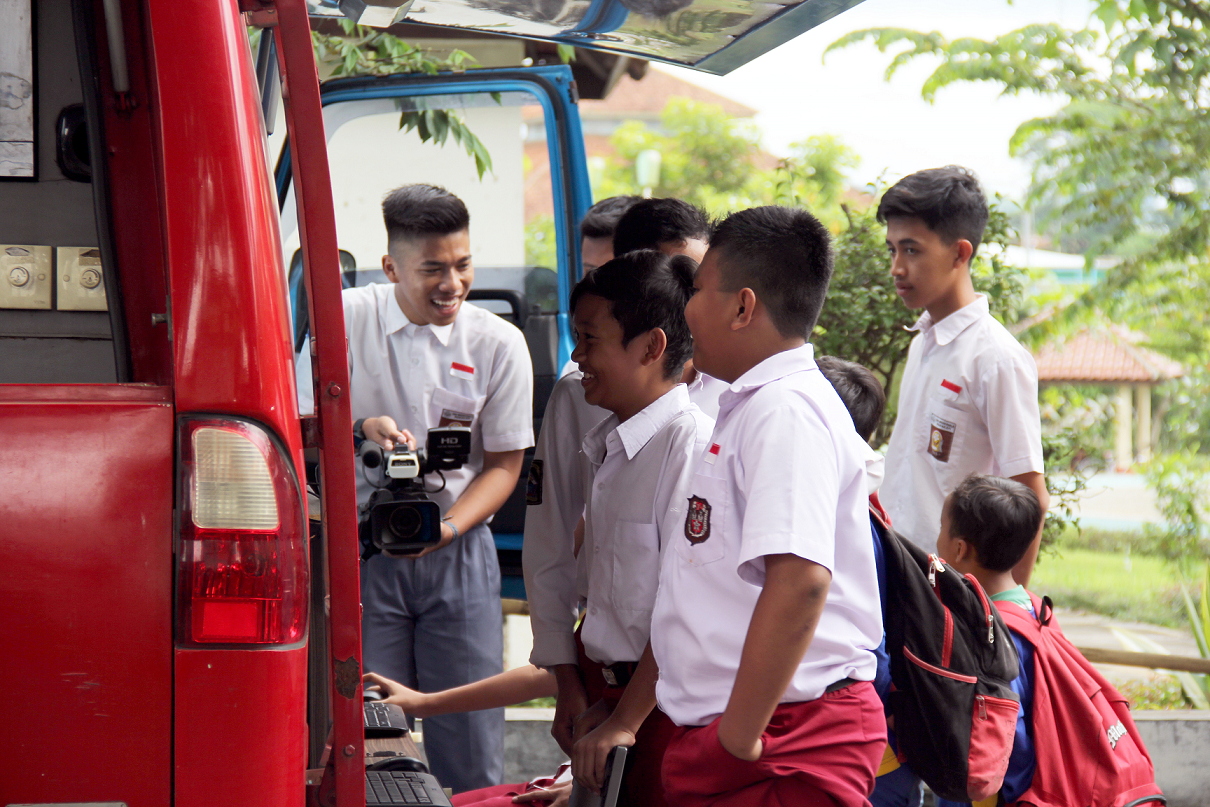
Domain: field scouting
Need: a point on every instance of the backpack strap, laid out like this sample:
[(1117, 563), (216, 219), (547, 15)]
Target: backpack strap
[(1021, 621)]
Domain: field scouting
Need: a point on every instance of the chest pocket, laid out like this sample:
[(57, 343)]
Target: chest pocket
[(943, 434), (699, 537), (451, 409)]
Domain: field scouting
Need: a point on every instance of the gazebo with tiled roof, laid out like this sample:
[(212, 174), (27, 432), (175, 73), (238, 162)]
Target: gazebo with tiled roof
[(1112, 357)]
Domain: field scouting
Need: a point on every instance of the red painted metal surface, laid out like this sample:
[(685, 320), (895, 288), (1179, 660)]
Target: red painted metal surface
[(241, 724), (317, 228), (86, 586), (230, 318), (237, 742)]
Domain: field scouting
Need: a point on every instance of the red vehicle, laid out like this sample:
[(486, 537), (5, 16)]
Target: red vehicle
[(160, 592)]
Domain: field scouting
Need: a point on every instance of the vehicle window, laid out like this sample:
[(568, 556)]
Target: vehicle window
[(54, 325), (511, 205)]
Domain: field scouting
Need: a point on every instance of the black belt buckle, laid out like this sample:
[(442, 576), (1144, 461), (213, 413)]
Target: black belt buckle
[(617, 675)]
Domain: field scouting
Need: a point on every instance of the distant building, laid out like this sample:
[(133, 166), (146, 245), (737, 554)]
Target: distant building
[(1111, 356)]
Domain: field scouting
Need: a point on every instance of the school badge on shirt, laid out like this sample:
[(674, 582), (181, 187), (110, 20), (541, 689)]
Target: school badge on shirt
[(697, 520), (533, 486), (941, 438)]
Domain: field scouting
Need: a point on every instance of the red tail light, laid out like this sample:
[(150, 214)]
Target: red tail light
[(242, 564)]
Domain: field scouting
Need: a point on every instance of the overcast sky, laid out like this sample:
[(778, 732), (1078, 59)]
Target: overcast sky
[(893, 130)]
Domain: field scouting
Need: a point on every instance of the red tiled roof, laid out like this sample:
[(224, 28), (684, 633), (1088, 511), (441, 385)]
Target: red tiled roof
[(1102, 357), (645, 99)]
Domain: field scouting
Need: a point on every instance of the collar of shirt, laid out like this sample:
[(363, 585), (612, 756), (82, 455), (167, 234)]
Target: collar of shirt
[(779, 365), (395, 320), (638, 431), (947, 330)]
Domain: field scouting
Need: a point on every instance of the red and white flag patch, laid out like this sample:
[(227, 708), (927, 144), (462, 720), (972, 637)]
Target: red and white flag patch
[(712, 453), (462, 371), (951, 386)]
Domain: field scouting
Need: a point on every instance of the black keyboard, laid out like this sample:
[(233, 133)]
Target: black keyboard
[(407, 788), (384, 720)]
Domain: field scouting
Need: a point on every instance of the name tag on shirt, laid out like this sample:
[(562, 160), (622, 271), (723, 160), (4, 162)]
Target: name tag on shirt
[(941, 437), (462, 371)]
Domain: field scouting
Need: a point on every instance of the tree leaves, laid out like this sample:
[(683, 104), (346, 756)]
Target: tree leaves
[(366, 51)]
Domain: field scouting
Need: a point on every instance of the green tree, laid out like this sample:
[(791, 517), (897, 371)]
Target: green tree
[(707, 158), (362, 51)]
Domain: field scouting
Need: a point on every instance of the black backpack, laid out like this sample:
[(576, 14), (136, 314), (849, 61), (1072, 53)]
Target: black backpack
[(952, 660)]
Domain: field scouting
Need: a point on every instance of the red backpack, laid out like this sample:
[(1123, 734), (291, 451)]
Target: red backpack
[(1089, 752)]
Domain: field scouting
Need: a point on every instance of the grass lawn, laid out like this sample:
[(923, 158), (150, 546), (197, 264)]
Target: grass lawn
[(1143, 589)]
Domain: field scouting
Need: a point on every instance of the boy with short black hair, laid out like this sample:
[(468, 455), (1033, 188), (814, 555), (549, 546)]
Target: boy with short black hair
[(767, 613), (987, 526), (673, 226), (968, 401), (597, 229), (631, 346), (1075, 742)]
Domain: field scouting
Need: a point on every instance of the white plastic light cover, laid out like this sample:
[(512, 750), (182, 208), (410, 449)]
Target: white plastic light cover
[(232, 488)]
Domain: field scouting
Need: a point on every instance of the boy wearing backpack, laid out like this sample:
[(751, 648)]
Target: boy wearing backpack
[(987, 526), (968, 401)]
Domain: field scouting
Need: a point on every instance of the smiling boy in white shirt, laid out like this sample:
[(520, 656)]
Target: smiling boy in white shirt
[(631, 345)]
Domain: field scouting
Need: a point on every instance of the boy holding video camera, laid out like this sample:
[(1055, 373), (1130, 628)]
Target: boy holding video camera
[(420, 359)]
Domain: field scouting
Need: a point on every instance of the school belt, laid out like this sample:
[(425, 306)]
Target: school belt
[(619, 673)]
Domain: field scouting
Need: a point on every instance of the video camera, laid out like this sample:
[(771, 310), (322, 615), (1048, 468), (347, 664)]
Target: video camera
[(400, 517)]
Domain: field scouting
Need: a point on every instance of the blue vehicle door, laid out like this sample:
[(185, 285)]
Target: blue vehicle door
[(527, 189)]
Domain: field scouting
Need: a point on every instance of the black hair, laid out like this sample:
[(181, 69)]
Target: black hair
[(948, 200), (601, 220), (656, 8), (784, 255), (996, 516), (647, 289), (651, 222), (859, 389), (421, 210)]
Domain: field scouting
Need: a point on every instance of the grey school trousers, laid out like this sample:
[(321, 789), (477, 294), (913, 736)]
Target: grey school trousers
[(433, 623)]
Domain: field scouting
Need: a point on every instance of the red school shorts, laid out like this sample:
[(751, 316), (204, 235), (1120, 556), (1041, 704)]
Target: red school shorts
[(643, 786), (823, 752)]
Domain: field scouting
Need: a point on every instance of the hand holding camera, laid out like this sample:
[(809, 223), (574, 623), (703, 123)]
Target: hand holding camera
[(384, 431), (400, 518)]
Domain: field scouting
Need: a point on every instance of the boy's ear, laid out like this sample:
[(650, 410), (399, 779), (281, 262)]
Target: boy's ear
[(963, 551), (746, 307), (388, 268), (657, 343), (965, 250)]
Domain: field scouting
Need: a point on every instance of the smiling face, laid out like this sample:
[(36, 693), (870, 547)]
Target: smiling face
[(928, 273), (432, 275), (610, 368)]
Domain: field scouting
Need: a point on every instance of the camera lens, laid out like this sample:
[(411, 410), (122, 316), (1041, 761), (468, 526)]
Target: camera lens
[(405, 523)]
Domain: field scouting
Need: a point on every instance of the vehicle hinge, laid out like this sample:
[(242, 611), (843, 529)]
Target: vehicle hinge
[(310, 431), (574, 92), (259, 13)]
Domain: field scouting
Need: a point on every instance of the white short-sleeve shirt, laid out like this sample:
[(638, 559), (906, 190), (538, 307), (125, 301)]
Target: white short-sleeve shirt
[(968, 403), (556, 583), (475, 371), (784, 474), (641, 469)]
